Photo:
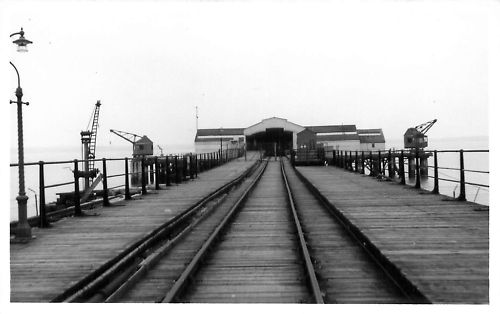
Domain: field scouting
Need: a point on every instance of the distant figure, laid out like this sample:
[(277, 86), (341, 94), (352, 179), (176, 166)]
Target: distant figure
[(326, 163)]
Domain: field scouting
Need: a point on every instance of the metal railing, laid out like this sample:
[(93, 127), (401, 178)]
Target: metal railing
[(405, 163), (146, 170)]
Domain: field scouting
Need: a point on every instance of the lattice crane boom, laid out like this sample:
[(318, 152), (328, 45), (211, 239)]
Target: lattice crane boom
[(424, 127), (129, 137)]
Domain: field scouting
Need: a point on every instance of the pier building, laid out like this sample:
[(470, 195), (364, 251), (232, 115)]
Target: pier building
[(281, 135)]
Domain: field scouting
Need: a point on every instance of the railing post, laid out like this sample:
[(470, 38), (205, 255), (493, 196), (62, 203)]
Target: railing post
[(105, 195), (372, 172), (436, 174), (191, 167), (178, 174), (43, 222), (184, 167), (143, 175), (196, 166), (157, 174), (127, 183), (356, 162), (362, 162), (76, 196), (380, 164), (390, 166), (462, 197), (167, 171), (417, 168), (402, 167)]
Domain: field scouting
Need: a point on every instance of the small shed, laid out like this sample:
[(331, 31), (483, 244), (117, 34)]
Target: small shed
[(415, 139), (143, 147)]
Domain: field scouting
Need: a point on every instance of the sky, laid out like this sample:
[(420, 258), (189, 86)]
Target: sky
[(380, 64)]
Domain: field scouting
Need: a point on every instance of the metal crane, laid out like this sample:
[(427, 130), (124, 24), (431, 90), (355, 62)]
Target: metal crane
[(415, 137), (161, 150), (89, 138)]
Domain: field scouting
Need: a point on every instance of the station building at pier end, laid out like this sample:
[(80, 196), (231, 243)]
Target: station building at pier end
[(280, 135)]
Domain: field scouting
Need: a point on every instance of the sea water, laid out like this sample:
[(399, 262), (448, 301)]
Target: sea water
[(61, 173)]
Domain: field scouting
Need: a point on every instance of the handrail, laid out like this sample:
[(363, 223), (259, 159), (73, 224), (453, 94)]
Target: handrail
[(166, 168), (380, 161)]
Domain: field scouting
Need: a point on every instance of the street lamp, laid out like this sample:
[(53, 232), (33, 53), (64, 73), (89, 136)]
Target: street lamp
[(23, 230), (21, 42)]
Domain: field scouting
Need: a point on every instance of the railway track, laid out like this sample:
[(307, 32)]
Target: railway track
[(267, 238)]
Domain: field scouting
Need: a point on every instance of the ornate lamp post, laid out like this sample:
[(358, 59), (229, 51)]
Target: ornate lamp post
[(23, 230)]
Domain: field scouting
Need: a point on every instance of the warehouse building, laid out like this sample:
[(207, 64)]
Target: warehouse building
[(280, 135)]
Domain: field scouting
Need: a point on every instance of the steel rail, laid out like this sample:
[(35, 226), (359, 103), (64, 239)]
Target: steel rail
[(391, 270), (311, 275), (93, 281), (189, 271)]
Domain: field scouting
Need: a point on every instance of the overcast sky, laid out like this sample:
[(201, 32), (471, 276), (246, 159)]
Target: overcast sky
[(387, 64)]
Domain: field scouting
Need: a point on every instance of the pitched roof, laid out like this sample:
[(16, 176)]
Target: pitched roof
[(371, 136), (219, 131), (144, 139), (339, 137), (332, 128)]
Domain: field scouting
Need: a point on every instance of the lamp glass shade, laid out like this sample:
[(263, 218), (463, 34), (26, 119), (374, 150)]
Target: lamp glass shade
[(21, 48)]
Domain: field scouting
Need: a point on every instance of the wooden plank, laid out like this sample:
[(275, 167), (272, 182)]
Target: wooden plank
[(65, 253), (442, 246)]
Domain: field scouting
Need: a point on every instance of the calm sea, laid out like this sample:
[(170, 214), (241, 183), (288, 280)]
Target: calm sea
[(62, 173)]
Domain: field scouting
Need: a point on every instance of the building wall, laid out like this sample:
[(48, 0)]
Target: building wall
[(341, 145), (370, 147)]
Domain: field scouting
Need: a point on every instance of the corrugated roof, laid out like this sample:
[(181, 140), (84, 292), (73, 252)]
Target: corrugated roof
[(212, 139), (365, 131), (332, 128), (218, 132), (340, 137), (371, 138)]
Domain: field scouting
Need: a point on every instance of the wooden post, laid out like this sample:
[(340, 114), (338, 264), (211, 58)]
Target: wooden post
[(167, 171), (402, 167), (362, 162), (417, 168), (372, 172), (191, 167), (380, 164), (462, 197), (356, 162), (127, 183), (390, 165), (76, 196), (43, 222), (436, 174), (143, 175), (157, 174)]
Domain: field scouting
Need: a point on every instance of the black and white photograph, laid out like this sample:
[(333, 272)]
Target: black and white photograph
[(249, 153)]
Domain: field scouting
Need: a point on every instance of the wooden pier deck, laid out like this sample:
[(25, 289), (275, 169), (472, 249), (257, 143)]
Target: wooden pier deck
[(440, 245), (73, 247)]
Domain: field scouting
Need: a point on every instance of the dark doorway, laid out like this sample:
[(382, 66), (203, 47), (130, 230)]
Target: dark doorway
[(272, 140)]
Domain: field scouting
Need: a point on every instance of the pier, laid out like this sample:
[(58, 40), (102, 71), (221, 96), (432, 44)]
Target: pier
[(399, 244)]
